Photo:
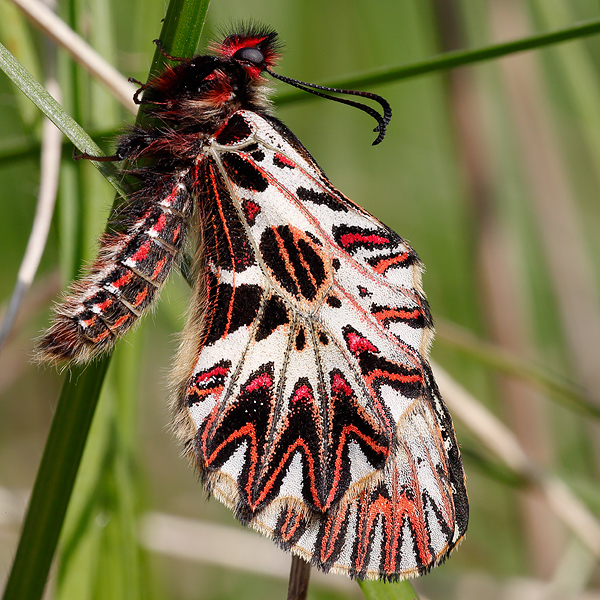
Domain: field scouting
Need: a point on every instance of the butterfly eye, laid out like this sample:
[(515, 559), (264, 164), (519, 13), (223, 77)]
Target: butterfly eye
[(250, 55)]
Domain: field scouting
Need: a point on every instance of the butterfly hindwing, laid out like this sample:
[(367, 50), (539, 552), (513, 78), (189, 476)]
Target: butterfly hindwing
[(309, 403)]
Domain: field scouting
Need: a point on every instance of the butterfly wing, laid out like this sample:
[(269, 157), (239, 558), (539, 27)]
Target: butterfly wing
[(304, 394)]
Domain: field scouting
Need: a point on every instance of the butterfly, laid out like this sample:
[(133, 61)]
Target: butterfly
[(302, 389)]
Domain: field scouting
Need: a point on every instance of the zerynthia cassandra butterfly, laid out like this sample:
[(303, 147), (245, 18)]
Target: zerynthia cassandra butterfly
[(302, 389)]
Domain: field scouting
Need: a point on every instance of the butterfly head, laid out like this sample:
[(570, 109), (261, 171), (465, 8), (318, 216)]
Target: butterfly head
[(207, 89)]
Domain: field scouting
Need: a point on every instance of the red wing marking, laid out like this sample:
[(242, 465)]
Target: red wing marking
[(358, 344), (283, 161), (251, 209), (348, 240), (381, 265), (219, 207)]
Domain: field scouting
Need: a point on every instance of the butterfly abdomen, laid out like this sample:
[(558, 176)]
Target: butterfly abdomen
[(122, 283)]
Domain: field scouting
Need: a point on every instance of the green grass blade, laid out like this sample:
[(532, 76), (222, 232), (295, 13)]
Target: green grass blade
[(20, 39), (378, 590), (182, 29), (71, 423), (576, 65), (450, 60), (20, 149), (54, 482), (560, 388), (99, 553), (491, 468), (54, 111)]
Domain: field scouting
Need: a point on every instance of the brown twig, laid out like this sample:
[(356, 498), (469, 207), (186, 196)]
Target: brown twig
[(299, 578)]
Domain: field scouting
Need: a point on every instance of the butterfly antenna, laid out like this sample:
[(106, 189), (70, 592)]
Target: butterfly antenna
[(382, 120)]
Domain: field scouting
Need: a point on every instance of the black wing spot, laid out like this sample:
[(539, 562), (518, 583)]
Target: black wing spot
[(243, 173)]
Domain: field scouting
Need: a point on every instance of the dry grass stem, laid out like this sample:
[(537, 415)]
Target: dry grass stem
[(493, 434), (228, 547), (45, 20), (49, 173)]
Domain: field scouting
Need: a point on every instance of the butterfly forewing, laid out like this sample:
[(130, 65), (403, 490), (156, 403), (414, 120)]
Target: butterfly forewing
[(312, 412)]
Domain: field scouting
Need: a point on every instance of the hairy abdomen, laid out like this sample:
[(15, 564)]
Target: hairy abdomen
[(124, 280)]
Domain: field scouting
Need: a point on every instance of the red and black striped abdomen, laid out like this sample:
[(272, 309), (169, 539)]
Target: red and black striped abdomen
[(124, 280)]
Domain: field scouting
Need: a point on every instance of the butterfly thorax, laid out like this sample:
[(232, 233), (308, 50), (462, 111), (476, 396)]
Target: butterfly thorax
[(201, 94), (192, 101)]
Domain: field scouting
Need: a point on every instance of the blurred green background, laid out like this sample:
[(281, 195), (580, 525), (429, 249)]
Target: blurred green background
[(490, 171)]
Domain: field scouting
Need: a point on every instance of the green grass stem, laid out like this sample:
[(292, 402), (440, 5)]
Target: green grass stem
[(377, 590), (55, 112), (562, 390), (54, 482), (71, 423), (451, 60)]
